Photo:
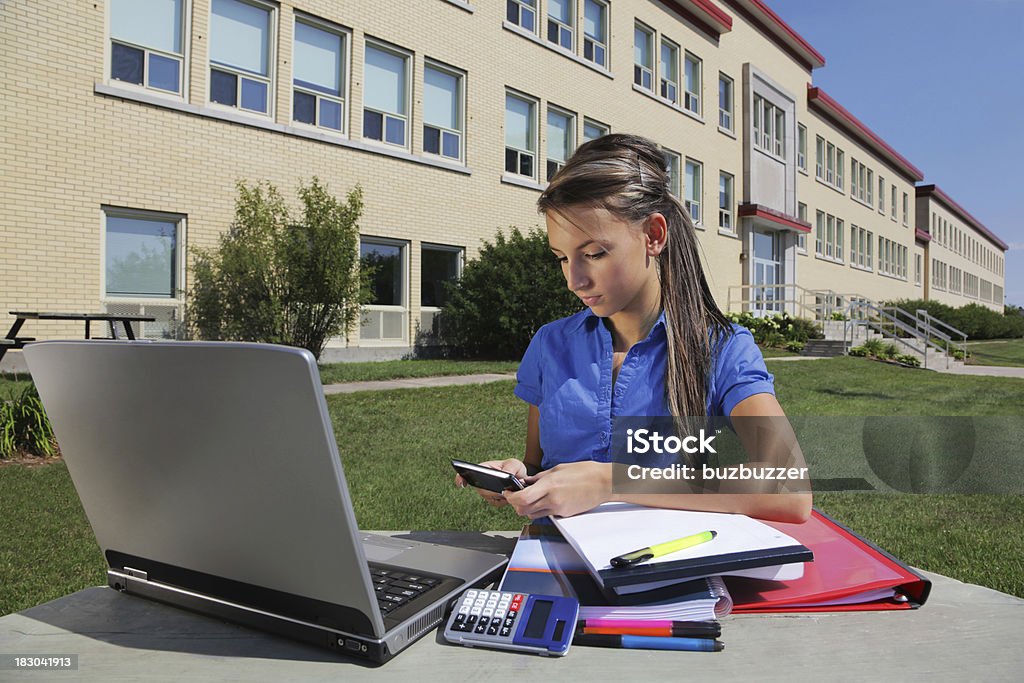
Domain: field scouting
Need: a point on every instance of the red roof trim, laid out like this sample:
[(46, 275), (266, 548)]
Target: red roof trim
[(703, 12), (819, 96), (783, 34), (922, 235), (773, 216), (933, 189)]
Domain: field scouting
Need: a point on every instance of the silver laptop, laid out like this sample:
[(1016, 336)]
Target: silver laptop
[(211, 476)]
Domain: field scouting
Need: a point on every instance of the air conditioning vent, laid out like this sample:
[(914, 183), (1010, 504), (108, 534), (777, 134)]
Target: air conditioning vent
[(425, 622), (168, 323)]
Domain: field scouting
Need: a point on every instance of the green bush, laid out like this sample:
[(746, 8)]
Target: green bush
[(777, 329), (837, 315), (795, 346), (874, 347), (974, 320), (858, 351), (24, 426), (274, 280), (907, 359), (504, 296), (890, 351)]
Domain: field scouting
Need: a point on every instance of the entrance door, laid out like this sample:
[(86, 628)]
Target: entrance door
[(768, 298)]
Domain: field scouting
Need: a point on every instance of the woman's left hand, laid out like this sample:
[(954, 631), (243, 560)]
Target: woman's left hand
[(564, 490)]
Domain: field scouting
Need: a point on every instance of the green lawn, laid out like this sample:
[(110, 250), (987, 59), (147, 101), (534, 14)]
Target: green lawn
[(12, 384), (769, 352), (397, 444), (399, 369), (1005, 352)]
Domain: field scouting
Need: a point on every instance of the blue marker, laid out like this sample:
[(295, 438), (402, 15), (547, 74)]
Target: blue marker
[(649, 642)]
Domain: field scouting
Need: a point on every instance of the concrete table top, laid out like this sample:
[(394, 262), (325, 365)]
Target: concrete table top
[(963, 632)]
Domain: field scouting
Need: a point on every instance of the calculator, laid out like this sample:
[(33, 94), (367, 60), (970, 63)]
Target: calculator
[(542, 624)]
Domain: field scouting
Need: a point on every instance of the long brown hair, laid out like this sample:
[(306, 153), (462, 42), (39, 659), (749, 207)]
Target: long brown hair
[(627, 176)]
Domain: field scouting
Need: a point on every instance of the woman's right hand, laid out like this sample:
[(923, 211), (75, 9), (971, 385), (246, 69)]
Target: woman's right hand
[(512, 465)]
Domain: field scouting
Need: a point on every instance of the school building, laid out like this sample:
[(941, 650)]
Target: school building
[(127, 123)]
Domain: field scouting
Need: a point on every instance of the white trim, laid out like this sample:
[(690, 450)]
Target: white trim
[(186, 56), (405, 308), (346, 71), (271, 76), (519, 30), (180, 256), (460, 77), (661, 100), (409, 56), (522, 181)]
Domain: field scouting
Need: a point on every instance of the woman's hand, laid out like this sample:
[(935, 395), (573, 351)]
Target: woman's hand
[(513, 465), (564, 490)]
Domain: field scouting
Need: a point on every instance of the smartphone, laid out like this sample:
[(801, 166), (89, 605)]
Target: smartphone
[(489, 478)]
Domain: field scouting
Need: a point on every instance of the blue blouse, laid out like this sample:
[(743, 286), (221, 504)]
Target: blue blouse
[(567, 373)]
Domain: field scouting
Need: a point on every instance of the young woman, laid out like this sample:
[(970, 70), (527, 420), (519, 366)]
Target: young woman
[(651, 342)]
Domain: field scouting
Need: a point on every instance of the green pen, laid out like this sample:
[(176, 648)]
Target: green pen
[(644, 554)]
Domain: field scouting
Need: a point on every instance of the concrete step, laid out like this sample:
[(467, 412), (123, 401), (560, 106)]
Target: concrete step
[(823, 347)]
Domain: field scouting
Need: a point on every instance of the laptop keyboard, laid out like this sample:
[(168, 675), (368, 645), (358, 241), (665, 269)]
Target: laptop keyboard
[(395, 588)]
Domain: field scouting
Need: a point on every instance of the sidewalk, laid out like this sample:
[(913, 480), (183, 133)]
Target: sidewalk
[(984, 370), (414, 383)]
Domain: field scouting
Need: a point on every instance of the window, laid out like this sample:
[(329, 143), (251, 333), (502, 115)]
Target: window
[(142, 254), (386, 95), (561, 139), (828, 236), (240, 46), (643, 57), (870, 188), (669, 82), (592, 130), (561, 19), (693, 83), (319, 77), (801, 147), (892, 203), (438, 265), (595, 32), (694, 190), (384, 318), (854, 178), (521, 13), (725, 184), (860, 247), (906, 208), (769, 127), (881, 194), (520, 135), (442, 111), (146, 46), (801, 240), (672, 164), (725, 99), (819, 158), (840, 165)]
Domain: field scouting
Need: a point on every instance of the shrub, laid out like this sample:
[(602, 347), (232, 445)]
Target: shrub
[(874, 347), (907, 359), (504, 296), (272, 280), (890, 351), (24, 426), (837, 315), (974, 320), (795, 346), (858, 351), (777, 329)]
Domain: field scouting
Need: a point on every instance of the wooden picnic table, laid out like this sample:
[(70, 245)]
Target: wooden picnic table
[(13, 341)]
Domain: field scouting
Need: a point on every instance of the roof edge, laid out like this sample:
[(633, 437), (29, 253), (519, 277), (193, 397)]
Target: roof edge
[(819, 97), (936, 191), (783, 33)]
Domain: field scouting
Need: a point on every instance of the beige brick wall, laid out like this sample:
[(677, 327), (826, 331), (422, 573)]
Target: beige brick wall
[(73, 141)]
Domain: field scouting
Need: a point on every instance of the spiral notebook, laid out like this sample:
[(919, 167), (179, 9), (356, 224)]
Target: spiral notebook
[(544, 563)]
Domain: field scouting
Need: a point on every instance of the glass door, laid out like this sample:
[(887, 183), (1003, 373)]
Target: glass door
[(768, 297)]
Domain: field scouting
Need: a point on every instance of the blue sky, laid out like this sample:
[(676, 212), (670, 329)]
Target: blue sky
[(941, 81)]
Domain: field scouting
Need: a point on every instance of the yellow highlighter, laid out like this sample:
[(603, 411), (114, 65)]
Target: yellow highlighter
[(644, 554)]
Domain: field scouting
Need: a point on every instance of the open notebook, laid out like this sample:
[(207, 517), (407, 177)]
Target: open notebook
[(544, 563), (743, 546)]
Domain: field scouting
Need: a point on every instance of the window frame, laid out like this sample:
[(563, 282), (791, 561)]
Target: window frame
[(346, 60), (699, 194), (407, 118), (570, 139), (534, 136), (560, 26), (594, 43), (179, 267), (460, 252), (801, 147), (270, 80), (801, 241), (726, 214), (529, 6), (183, 58), (641, 70), (693, 98), (460, 84), (587, 121), (726, 114), (404, 307), (663, 80)]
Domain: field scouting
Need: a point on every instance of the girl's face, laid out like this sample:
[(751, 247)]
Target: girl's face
[(608, 262)]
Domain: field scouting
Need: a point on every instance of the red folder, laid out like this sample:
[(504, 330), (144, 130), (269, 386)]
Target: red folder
[(848, 573)]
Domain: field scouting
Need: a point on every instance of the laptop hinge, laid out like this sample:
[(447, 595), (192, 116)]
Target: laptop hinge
[(136, 573)]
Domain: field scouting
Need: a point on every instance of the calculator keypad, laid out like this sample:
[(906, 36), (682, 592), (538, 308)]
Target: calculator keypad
[(490, 613)]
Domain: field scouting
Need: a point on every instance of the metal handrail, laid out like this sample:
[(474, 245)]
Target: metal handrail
[(896, 323)]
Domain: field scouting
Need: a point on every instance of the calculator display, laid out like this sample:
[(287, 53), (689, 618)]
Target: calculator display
[(538, 619)]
